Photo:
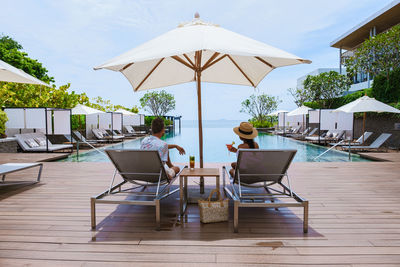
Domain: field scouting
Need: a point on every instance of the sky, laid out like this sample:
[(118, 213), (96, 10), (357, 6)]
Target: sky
[(70, 37)]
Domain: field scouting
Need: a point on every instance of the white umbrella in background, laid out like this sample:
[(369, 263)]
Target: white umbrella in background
[(366, 104), (125, 112), (84, 110), (198, 51), (303, 110), (10, 73), (276, 113)]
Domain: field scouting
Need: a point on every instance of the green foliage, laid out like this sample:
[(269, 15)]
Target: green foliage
[(259, 106), (78, 122), (340, 101), (262, 124), (149, 119), (325, 87), (387, 88), (3, 120), (300, 96), (379, 54), (10, 52), (158, 103)]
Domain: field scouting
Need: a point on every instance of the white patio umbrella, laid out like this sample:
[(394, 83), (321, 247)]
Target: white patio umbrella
[(199, 51), (276, 113), (84, 110), (125, 112), (10, 73), (303, 110), (366, 104)]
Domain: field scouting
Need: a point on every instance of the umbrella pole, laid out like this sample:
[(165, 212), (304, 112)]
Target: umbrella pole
[(363, 131), (198, 80)]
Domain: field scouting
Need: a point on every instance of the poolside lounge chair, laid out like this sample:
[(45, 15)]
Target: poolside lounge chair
[(101, 134), (360, 141), (113, 134), (376, 145), (302, 137), (326, 137), (265, 170), (131, 132), (142, 169), (305, 132), (8, 168), (36, 142)]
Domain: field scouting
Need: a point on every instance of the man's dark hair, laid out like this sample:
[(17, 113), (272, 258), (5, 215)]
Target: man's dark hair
[(157, 125)]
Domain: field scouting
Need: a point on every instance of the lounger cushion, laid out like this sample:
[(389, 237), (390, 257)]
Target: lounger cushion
[(31, 142), (40, 140)]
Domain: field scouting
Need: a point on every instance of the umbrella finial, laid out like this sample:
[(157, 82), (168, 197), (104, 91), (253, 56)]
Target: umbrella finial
[(196, 15)]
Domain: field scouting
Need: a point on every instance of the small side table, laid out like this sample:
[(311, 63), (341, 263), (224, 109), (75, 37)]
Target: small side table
[(183, 187)]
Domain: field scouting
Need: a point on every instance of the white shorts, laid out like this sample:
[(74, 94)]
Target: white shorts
[(170, 172)]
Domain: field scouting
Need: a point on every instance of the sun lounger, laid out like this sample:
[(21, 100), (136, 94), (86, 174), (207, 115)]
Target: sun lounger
[(305, 132), (265, 170), (102, 135), (326, 137), (360, 141), (302, 137), (140, 169), (113, 134), (8, 168), (36, 142), (131, 132), (376, 145)]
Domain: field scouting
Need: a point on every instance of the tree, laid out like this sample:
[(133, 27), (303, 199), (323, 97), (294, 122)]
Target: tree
[(300, 96), (326, 86), (158, 103), (259, 106), (10, 52), (378, 54)]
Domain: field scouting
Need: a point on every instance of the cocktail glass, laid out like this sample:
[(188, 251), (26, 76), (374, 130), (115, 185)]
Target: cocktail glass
[(191, 162)]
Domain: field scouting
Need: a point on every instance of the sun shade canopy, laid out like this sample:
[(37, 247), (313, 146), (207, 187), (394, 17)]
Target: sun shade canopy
[(84, 110), (366, 104), (223, 57), (10, 73), (303, 110)]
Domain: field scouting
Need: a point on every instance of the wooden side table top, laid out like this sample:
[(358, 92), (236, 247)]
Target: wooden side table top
[(200, 172)]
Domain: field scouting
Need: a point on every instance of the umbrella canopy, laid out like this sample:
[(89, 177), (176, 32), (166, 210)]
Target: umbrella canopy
[(9, 73), (303, 110), (366, 104), (276, 113), (84, 110), (125, 112), (199, 51)]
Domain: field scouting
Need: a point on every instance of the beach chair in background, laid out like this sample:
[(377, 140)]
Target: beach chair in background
[(305, 132), (141, 170), (258, 182), (360, 141), (326, 137), (129, 131), (36, 142), (82, 140), (303, 136), (376, 145), (8, 168)]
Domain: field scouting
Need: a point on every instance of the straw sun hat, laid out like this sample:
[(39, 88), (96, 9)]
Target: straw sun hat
[(246, 130)]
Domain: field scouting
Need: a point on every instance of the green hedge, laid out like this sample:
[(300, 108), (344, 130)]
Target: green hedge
[(340, 101), (261, 124), (78, 122), (149, 119), (3, 120), (387, 88)]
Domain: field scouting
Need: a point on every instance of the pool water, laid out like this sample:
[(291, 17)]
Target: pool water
[(214, 148)]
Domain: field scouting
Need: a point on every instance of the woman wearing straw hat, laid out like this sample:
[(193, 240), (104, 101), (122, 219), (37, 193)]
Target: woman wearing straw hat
[(246, 133)]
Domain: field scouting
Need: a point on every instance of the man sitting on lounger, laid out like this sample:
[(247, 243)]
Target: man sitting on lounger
[(154, 142)]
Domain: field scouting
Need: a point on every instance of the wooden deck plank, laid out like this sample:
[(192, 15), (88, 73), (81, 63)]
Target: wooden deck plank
[(49, 225)]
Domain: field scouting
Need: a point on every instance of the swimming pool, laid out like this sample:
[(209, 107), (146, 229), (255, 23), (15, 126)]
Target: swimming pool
[(215, 149)]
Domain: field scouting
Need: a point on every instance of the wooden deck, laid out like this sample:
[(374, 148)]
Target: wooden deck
[(354, 221), (31, 157), (393, 157)]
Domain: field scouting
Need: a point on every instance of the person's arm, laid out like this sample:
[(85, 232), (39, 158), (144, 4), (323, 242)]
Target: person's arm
[(169, 163), (180, 149)]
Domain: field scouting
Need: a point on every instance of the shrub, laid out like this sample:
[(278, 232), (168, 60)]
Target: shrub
[(149, 119), (261, 124), (387, 88), (3, 120)]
